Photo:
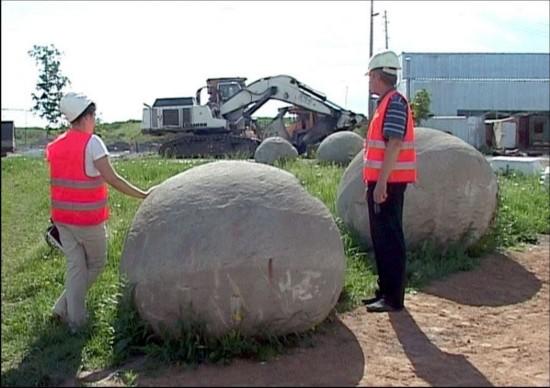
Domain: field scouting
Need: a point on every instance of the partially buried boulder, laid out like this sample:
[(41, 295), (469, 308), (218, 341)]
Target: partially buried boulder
[(234, 245), (340, 147), (273, 149), (455, 196)]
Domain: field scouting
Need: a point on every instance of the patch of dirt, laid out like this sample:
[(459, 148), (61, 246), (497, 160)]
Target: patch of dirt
[(489, 326)]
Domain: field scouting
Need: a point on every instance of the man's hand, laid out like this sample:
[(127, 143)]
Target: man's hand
[(380, 192)]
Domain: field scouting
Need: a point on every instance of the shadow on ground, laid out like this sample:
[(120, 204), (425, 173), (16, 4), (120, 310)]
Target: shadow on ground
[(323, 364), (51, 359), (434, 366), (499, 281)]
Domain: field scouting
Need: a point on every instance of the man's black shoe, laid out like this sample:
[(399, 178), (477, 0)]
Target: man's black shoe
[(377, 296), (371, 300), (381, 306)]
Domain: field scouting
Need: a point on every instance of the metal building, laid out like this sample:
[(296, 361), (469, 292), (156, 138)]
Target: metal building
[(485, 85)]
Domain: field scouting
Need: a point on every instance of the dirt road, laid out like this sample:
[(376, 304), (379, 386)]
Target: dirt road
[(489, 326)]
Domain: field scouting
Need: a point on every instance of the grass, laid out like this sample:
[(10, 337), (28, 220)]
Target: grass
[(119, 131), (36, 351), (128, 131)]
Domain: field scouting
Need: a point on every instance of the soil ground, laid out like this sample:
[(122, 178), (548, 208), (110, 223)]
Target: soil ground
[(488, 326)]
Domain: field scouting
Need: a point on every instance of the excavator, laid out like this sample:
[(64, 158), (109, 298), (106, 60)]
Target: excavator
[(224, 124)]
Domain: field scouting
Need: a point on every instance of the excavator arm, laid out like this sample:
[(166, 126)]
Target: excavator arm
[(330, 116), (287, 89), (282, 88)]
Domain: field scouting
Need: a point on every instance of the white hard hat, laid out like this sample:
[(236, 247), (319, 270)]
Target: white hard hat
[(385, 60), (73, 104)]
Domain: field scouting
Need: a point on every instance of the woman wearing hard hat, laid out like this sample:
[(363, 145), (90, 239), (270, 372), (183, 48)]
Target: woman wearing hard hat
[(389, 165), (79, 172)]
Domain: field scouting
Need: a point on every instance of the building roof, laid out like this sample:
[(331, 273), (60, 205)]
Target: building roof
[(174, 101)]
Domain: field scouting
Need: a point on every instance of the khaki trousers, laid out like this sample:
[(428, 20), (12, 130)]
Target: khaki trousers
[(86, 251)]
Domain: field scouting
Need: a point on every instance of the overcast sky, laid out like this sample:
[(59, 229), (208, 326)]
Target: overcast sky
[(125, 53)]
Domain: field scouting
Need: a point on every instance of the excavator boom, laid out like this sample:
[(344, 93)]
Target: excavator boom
[(281, 87)]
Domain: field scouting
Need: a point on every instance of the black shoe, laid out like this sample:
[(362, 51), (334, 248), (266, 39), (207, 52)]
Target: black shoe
[(381, 306), (377, 296), (371, 300)]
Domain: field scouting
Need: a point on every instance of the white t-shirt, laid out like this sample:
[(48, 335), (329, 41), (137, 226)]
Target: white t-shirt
[(95, 149)]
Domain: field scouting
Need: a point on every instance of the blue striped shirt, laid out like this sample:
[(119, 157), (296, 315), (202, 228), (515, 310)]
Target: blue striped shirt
[(395, 121)]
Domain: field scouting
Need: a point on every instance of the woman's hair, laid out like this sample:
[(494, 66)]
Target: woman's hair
[(90, 110)]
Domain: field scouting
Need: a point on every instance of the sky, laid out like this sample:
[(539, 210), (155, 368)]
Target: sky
[(126, 53)]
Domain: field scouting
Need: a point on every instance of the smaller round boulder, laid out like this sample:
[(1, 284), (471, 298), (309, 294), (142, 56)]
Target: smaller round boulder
[(340, 147), (273, 149)]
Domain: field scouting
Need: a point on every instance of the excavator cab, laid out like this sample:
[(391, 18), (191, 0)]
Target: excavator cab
[(220, 90), (226, 90)]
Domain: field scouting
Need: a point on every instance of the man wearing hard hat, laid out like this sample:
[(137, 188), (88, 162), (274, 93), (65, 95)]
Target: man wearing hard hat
[(389, 165), (79, 170)]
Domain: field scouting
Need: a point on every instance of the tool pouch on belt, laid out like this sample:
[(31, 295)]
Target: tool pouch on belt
[(52, 236)]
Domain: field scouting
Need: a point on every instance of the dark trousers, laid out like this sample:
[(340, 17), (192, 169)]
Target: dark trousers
[(386, 229)]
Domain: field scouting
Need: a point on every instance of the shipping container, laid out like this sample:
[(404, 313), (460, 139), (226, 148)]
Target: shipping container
[(8, 137)]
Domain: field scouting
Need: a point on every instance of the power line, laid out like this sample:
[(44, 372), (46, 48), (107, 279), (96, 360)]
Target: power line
[(386, 27)]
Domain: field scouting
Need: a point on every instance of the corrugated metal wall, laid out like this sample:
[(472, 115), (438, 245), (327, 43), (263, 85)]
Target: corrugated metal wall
[(476, 65), (479, 82)]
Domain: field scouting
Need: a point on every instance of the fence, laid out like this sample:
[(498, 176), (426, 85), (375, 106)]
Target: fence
[(29, 130)]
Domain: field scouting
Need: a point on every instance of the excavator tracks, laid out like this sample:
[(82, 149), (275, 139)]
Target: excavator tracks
[(208, 146)]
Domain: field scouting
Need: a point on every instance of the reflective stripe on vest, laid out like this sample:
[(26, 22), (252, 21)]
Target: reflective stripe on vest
[(76, 198), (65, 205), (397, 166), (381, 144), (375, 145), (98, 182)]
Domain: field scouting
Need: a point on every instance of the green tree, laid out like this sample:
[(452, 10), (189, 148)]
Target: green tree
[(50, 84), (421, 106)]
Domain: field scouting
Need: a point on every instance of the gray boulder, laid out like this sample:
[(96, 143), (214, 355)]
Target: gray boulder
[(455, 193), (234, 245), (340, 147), (273, 149)]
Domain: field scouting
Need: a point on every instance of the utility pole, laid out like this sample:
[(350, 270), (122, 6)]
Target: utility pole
[(386, 27), (372, 15)]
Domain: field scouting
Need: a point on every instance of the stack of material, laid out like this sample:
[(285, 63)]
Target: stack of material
[(545, 176), (525, 165)]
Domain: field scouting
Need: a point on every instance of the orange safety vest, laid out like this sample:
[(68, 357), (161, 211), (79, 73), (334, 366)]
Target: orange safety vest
[(404, 170), (76, 198)]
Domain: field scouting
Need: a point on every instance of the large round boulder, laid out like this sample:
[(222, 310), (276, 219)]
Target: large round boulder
[(273, 149), (340, 147), (234, 245), (454, 198)]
